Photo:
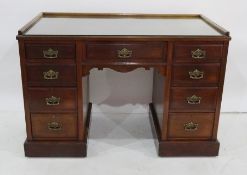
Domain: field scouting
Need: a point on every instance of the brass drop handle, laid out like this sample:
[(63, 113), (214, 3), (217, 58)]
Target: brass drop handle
[(191, 126), (50, 53), (193, 100), (52, 101), (198, 54), (54, 126), (50, 75), (124, 53), (196, 74)]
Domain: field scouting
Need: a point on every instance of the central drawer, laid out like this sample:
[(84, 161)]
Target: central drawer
[(130, 51), (52, 99)]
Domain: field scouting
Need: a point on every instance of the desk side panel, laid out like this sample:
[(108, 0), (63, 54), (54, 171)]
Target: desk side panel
[(221, 86), (158, 95), (85, 97), (25, 89)]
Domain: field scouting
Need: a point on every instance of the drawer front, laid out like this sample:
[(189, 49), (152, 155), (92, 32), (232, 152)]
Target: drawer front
[(198, 52), (51, 75), (54, 125), (52, 99), (193, 99), (190, 125), (148, 52), (195, 74), (50, 51)]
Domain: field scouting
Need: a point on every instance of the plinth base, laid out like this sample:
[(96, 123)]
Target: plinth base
[(55, 149)]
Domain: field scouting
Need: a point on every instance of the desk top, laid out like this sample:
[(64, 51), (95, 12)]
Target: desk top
[(121, 24)]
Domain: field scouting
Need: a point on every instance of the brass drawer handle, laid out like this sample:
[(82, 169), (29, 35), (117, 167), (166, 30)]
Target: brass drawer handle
[(194, 100), (198, 54), (52, 101), (50, 53), (50, 75), (190, 126), (196, 74), (54, 126), (124, 53)]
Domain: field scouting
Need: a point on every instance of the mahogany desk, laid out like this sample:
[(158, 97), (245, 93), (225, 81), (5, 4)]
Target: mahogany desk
[(188, 54)]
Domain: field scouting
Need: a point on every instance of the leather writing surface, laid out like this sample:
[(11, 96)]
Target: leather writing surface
[(121, 26)]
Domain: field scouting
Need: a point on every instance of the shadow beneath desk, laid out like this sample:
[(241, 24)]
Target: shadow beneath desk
[(115, 133), (120, 126)]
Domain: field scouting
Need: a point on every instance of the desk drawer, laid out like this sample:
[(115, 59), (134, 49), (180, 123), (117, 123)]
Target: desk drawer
[(148, 52), (198, 52), (196, 74), (54, 126), (193, 99), (52, 99), (190, 125), (51, 75), (50, 51)]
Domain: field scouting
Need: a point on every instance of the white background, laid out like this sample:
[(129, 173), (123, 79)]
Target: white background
[(122, 144), (109, 89)]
